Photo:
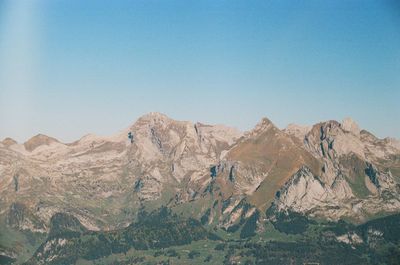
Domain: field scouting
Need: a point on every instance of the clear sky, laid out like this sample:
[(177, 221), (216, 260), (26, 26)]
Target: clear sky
[(70, 67)]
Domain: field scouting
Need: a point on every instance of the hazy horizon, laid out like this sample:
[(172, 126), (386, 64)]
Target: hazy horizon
[(68, 68)]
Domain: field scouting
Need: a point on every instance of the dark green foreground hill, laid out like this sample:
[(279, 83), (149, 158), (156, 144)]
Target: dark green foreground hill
[(162, 237), (68, 240)]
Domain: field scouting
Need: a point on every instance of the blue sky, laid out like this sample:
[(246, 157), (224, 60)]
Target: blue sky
[(70, 67)]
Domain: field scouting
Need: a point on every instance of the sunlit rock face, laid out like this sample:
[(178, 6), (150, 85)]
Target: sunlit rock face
[(328, 170), (354, 163), (47, 176)]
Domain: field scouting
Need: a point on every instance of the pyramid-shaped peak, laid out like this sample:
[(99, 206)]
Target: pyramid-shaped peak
[(263, 125)]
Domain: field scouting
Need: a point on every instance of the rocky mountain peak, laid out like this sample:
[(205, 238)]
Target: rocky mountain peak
[(324, 130), (155, 123), (39, 140), (264, 122), (154, 117), (8, 142), (329, 139), (350, 125), (262, 126)]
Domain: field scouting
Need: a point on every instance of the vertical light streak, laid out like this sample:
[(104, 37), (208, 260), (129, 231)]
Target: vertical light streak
[(18, 64)]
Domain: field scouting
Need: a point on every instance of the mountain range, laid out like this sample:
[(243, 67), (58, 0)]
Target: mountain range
[(212, 180)]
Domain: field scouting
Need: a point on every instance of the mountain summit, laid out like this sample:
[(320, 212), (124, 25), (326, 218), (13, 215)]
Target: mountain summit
[(39, 140)]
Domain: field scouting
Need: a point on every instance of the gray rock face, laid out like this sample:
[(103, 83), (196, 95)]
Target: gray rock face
[(356, 176)]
